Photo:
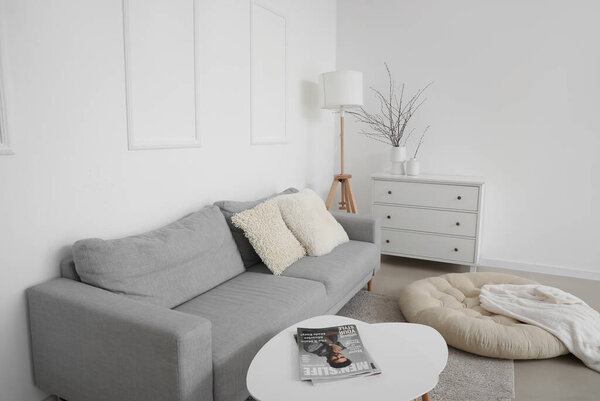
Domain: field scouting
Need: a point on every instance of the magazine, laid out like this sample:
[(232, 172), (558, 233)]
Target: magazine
[(333, 353)]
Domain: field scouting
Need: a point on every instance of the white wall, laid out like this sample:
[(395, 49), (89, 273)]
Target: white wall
[(72, 175), (515, 100)]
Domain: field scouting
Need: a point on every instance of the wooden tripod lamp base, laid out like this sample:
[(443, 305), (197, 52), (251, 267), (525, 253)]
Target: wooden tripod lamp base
[(347, 203)]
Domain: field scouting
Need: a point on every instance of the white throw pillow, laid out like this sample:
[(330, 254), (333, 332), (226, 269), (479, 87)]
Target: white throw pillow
[(307, 217), (269, 236)]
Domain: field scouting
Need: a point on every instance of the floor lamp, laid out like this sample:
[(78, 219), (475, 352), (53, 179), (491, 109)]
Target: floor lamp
[(342, 90)]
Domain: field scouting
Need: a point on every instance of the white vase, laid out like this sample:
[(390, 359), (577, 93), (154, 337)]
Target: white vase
[(413, 167), (398, 158)]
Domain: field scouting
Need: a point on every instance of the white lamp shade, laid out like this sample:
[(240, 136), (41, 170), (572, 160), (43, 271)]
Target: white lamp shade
[(342, 89)]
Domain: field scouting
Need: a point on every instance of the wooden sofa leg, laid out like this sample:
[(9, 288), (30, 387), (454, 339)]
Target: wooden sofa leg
[(370, 284)]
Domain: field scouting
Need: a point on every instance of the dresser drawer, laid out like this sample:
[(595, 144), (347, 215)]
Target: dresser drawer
[(433, 221), (457, 197), (428, 246)]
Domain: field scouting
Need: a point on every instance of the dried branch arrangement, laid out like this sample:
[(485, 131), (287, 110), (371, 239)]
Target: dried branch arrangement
[(420, 142), (390, 124)]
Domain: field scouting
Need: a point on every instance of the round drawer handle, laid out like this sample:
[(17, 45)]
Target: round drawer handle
[(389, 217), (389, 192), (387, 241), (455, 249), (458, 223), (459, 197)]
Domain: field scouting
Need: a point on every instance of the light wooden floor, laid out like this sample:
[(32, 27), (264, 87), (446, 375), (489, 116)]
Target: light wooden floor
[(563, 378)]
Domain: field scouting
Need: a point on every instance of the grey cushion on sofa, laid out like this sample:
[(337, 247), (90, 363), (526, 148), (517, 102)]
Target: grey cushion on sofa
[(67, 268), (164, 267), (229, 208), (343, 268), (245, 313)]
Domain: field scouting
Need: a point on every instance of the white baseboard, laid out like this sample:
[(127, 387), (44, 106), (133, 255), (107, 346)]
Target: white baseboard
[(544, 269)]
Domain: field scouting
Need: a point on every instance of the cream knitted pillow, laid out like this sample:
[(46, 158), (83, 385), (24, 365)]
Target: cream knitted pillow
[(309, 220), (269, 236)]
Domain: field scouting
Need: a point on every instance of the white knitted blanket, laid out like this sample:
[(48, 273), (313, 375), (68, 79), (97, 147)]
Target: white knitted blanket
[(570, 319)]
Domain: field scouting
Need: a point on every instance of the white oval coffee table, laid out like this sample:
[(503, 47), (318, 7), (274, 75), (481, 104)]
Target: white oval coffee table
[(411, 357)]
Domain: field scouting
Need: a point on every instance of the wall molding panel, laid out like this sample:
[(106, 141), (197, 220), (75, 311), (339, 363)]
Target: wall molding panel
[(5, 148), (160, 40), (268, 75)]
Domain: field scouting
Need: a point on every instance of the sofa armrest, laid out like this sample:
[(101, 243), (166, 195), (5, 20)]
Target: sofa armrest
[(360, 227), (88, 343)]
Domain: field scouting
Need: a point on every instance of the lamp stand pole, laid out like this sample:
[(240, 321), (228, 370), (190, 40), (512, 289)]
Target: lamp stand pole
[(347, 202), (342, 140)]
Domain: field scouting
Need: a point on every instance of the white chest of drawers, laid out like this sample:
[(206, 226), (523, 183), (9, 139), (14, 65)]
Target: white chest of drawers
[(433, 217)]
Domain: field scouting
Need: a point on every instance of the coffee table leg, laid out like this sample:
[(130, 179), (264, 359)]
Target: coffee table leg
[(425, 397)]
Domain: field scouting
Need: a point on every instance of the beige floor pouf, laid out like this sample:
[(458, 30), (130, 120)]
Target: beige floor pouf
[(450, 304)]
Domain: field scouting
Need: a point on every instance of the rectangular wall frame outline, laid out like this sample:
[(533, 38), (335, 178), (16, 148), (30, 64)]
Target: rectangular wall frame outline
[(5, 148), (255, 138), (134, 143)]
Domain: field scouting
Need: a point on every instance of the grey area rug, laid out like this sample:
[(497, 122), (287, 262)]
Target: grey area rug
[(467, 377)]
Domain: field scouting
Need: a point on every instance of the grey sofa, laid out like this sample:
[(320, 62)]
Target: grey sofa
[(177, 314)]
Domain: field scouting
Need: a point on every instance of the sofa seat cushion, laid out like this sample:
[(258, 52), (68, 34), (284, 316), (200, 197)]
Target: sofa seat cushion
[(245, 313), (340, 270), (164, 267)]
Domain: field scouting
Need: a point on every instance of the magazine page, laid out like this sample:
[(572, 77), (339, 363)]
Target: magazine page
[(333, 353)]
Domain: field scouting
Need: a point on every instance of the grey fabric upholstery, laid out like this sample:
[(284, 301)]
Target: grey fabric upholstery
[(351, 293), (229, 208), (360, 228), (340, 270), (67, 268), (246, 312), (165, 267), (89, 344)]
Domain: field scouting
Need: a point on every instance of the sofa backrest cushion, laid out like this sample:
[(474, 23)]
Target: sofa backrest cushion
[(67, 268), (164, 267), (229, 208)]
